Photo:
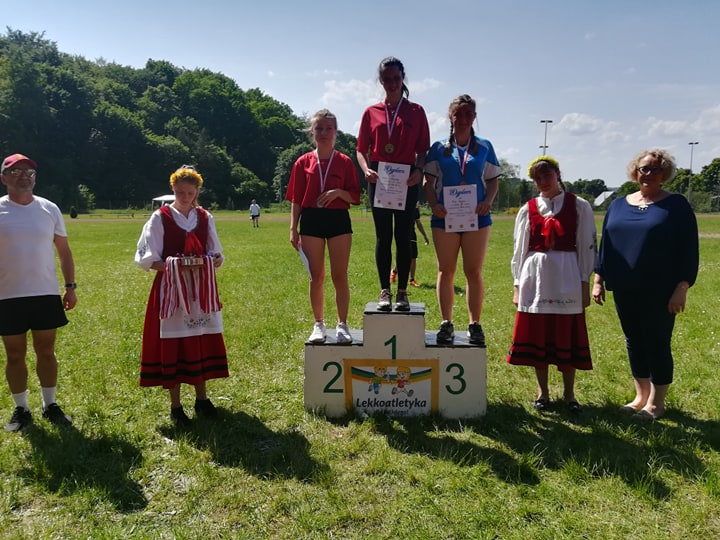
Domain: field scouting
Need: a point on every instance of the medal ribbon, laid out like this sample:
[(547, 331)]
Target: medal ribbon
[(463, 162), (323, 177), (391, 125)]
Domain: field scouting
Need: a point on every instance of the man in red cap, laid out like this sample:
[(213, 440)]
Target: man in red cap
[(29, 298)]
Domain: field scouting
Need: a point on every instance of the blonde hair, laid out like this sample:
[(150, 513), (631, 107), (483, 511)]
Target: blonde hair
[(667, 162), (187, 174)]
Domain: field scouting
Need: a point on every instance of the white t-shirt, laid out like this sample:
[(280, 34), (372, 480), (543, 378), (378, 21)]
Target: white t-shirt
[(27, 247)]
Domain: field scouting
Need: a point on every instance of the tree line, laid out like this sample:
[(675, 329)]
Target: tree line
[(108, 135)]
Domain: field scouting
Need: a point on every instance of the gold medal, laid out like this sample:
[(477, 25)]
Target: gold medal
[(389, 148)]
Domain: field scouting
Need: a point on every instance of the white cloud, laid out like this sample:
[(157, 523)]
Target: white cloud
[(582, 124), (271, 74), (666, 128), (352, 91), (322, 73)]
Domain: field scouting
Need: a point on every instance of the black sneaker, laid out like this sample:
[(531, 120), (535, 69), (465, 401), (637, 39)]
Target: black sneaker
[(205, 407), (475, 334), (402, 303), (21, 418), (55, 414), (446, 333), (178, 417)]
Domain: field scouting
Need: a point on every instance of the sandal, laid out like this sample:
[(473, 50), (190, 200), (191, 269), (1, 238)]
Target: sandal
[(574, 406), (541, 404)]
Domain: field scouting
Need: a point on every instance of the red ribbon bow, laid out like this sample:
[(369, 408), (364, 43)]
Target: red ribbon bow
[(551, 228)]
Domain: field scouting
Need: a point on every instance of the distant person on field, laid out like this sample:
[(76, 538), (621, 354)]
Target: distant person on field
[(29, 299), (182, 335), (323, 184), (255, 213), (463, 159), (649, 257), (413, 249), (553, 259)]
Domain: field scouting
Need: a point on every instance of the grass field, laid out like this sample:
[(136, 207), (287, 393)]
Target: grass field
[(269, 469)]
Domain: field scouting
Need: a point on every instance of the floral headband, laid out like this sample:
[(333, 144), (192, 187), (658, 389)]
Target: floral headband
[(551, 160), (184, 173)]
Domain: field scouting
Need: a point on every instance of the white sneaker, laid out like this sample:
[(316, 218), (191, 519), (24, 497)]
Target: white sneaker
[(343, 334), (318, 333)]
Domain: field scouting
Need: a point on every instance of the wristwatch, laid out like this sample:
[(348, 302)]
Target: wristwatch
[(71, 285)]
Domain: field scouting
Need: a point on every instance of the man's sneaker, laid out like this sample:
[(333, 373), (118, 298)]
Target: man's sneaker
[(414, 283), (475, 334), (385, 300), (205, 407), (21, 418), (318, 333), (178, 417), (402, 303), (393, 276), (342, 334), (55, 414), (446, 332)]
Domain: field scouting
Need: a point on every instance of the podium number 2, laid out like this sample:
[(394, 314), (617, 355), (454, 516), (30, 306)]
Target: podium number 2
[(328, 387)]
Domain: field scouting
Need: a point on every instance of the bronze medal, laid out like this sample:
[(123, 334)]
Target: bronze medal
[(389, 148)]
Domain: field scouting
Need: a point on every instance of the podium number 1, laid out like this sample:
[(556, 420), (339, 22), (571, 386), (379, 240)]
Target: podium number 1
[(392, 341)]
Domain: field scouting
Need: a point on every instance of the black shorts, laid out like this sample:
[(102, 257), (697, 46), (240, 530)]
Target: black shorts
[(325, 222), (18, 315)]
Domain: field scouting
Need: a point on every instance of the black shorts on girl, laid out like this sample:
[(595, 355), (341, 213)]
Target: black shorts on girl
[(18, 315), (325, 222)]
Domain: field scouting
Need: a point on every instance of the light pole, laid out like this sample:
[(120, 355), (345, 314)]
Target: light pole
[(692, 147), (545, 144), (543, 148)]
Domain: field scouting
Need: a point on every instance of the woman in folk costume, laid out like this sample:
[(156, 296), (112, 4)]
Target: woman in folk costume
[(554, 256), (182, 335)]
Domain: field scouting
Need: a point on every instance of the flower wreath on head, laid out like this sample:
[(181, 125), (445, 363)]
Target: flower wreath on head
[(186, 172), (551, 160)]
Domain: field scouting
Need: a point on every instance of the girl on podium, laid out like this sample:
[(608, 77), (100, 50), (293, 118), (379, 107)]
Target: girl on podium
[(323, 184), (394, 136)]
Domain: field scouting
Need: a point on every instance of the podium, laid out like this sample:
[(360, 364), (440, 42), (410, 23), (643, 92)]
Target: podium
[(395, 367)]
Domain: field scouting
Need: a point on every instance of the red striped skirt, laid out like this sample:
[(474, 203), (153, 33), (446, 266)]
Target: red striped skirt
[(540, 339)]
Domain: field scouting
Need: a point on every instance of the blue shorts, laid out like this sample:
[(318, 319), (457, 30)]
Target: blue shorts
[(18, 315)]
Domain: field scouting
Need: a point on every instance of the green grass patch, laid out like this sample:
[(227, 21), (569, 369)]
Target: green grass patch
[(269, 469)]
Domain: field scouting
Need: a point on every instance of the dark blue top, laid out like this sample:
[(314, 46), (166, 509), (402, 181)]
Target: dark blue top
[(654, 248)]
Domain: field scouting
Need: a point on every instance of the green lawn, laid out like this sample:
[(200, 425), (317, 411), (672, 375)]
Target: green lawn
[(268, 469)]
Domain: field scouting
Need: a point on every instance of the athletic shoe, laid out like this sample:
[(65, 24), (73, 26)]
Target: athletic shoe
[(20, 419), (446, 333), (385, 300), (318, 334), (475, 334), (402, 304), (393, 276), (179, 418), (342, 334), (414, 283), (55, 414), (205, 407)]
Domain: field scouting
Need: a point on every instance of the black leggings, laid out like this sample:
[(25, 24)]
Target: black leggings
[(383, 219)]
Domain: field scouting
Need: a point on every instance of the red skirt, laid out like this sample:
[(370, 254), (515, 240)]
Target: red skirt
[(169, 362), (540, 339)]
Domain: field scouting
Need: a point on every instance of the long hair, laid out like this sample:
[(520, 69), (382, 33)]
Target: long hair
[(391, 61)]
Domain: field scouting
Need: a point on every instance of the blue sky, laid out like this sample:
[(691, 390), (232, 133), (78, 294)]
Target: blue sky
[(615, 77)]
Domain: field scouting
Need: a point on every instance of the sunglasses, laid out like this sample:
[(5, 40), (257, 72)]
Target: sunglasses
[(649, 170)]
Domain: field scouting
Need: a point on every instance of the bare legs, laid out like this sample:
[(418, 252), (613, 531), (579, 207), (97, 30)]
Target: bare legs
[(649, 397), (16, 371), (568, 384), (447, 248), (339, 252)]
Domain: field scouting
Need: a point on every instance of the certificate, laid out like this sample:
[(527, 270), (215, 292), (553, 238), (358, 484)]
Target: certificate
[(460, 203), (391, 186)]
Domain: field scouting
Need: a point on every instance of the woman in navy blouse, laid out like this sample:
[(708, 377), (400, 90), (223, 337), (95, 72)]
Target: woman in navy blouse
[(649, 258)]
